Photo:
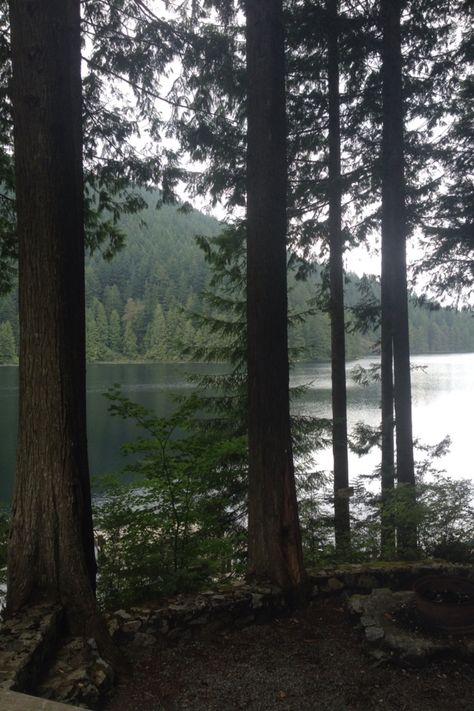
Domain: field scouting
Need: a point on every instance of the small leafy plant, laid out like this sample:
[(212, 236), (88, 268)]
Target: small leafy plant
[(169, 521)]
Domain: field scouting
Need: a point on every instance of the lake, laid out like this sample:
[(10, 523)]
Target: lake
[(443, 396)]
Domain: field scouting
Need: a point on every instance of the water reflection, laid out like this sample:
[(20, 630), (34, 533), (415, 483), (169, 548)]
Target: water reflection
[(442, 397)]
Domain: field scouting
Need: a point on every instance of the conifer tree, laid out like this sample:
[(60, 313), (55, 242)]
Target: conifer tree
[(155, 337), (102, 327), (448, 255), (115, 332), (274, 539), (130, 347), (51, 547), (336, 286), (112, 299), (394, 234), (129, 45), (92, 337), (132, 323)]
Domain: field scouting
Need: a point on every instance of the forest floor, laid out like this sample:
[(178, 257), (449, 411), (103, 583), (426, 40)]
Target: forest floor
[(312, 660)]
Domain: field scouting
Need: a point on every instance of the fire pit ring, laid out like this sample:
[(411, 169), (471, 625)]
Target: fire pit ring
[(446, 603)]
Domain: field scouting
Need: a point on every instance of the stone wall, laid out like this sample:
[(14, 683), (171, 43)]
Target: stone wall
[(77, 674), (396, 576), (27, 641), (393, 632), (186, 616)]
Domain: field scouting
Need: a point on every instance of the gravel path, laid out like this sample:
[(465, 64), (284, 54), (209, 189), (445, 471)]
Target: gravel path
[(313, 661)]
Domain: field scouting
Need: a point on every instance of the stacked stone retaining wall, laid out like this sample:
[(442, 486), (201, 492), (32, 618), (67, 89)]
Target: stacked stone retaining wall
[(29, 642)]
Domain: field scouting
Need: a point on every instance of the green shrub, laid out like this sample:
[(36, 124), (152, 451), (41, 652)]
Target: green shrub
[(170, 521)]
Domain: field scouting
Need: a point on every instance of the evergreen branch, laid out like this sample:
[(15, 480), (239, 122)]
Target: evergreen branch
[(154, 95)]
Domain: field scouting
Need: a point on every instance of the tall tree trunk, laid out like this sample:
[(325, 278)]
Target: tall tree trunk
[(274, 535), (336, 285), (387, 543), (51, 549), (394, 229)]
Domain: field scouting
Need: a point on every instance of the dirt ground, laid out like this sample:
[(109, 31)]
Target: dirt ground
[(313, 660)]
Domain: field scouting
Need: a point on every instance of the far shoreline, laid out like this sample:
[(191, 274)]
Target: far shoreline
[(221, 362)]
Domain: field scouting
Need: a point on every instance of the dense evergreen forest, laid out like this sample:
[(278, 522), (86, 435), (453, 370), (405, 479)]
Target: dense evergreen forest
[(140, 304)]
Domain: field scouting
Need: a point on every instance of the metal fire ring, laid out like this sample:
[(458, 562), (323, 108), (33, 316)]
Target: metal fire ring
[(446, 603)]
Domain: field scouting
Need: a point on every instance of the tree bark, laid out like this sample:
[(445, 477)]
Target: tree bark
[(274, 545), (394, 232), (387, 542), (51, 547), (336, 286)]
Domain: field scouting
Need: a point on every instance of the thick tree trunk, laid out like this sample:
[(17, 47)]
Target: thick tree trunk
[(394, 229), (274, 534), (51, 549), (336, 284)]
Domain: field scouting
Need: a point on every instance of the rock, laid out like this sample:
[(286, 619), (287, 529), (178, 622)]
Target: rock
[(177, 608), (113, 626), (141, 612), (379, 655), (132, 626), (334, 584), (78, 675), (390, 641), (75, 645), (89, 696), (381, 592), (100, 678), (257, 600), (367, 620), (123, 615), (355, 604), (26, 639), (374, 633)]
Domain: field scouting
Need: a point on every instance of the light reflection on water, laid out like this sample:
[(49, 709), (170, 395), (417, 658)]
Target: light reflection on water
[(442, 396), (442, 400)]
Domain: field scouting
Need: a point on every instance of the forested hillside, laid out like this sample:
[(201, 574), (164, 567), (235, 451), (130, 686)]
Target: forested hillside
[(140, 303)]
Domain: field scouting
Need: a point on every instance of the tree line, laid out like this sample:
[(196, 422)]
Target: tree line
[(140, 305)]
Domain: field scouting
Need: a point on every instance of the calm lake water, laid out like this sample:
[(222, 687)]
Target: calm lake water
[(443, 396)]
